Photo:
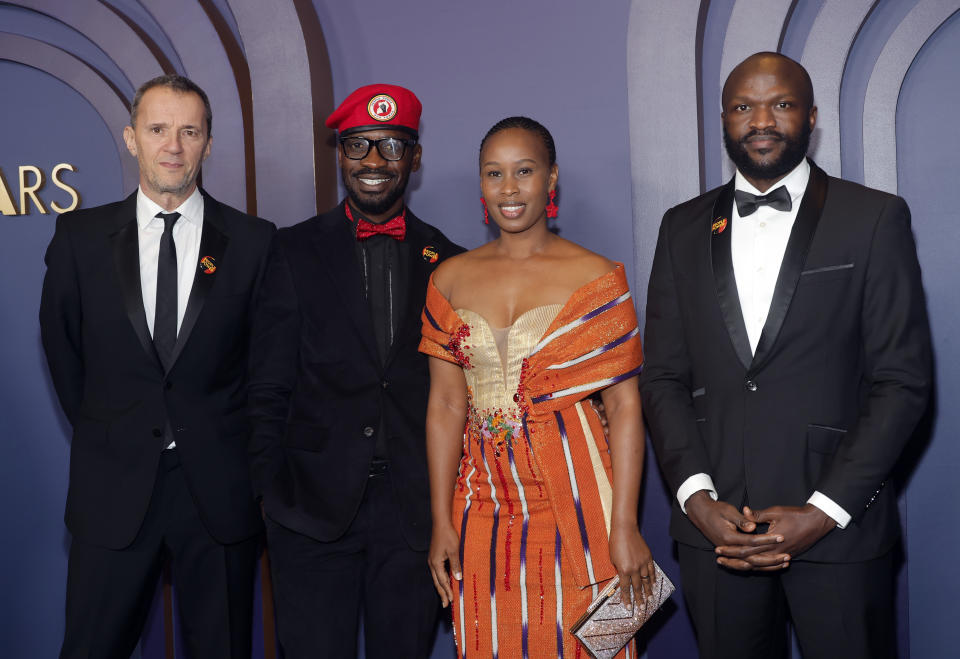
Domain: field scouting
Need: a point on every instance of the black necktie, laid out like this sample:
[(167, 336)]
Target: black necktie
[(747, 203), (165, 318)]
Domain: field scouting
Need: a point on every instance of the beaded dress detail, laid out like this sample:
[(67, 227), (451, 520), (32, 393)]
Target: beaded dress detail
[(533, 494), (496, 359)]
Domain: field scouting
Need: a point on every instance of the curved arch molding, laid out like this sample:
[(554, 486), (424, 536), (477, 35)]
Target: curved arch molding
[(268, 80), (824, 56), (883, 90), (660, 56), (205, 62), (104, 28), (282, 109), (85, 81), (755, 25)]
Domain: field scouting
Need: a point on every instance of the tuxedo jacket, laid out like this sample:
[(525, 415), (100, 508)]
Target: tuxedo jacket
[(839, 378), (112, 385), (319, 389)]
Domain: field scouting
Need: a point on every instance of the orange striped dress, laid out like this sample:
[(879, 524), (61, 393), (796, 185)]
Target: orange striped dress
[(532, 501)]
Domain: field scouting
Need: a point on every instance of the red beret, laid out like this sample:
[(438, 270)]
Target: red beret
[(376, 107)]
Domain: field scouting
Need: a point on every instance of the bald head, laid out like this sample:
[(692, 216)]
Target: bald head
[(768, 116), (768, 65)]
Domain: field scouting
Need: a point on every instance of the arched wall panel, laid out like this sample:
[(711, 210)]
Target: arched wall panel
[(755, 25), (883, 90), (559, 63), (90, 85), (824, 57), (205, 62), (282, 108), (661, 74), (104, 28)]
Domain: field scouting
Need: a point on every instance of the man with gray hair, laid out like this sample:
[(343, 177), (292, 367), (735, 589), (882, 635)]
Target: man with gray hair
[(144, 318)]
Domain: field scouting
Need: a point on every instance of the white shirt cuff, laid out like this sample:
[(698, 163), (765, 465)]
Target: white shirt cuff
[(693, 485), (829, 506)]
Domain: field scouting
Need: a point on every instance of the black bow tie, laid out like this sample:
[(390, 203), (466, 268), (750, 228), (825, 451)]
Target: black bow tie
[(747, 203)]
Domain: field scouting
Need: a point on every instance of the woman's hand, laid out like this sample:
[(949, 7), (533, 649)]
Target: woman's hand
[(444, 550), (634, 563)]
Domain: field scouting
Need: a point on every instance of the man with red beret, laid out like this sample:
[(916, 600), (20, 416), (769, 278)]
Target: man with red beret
[(338, 397)]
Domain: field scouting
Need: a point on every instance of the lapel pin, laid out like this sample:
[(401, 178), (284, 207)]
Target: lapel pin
[(208, 265), (430, 254), (718, 226)]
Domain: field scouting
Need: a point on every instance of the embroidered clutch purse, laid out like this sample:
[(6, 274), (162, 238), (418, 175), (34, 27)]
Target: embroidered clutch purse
[(607, 625)]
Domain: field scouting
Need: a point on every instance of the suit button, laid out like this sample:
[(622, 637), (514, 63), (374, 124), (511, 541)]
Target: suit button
[(384, 384), (750, 385), (168, 385), (157, 432), (368, 432)]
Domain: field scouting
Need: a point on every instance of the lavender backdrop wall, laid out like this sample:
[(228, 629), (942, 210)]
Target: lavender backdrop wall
[(629, 89)]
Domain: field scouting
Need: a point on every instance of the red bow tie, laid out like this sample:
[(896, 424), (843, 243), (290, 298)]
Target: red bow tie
[(395, 228)]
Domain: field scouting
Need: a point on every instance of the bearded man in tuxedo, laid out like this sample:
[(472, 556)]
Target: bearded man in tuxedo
[(788, 361)]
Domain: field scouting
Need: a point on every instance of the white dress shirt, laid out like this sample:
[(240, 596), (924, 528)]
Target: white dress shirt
[(186, 237), (757, 244)]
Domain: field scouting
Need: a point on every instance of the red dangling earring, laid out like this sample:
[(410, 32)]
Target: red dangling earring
[(552, 208), (486, 218)]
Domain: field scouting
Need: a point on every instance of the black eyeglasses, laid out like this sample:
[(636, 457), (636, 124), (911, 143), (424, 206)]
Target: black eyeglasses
[(391, 148)]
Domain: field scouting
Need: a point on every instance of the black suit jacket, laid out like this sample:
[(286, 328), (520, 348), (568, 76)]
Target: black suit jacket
[(318, 389), (113, 387), (839, 378)]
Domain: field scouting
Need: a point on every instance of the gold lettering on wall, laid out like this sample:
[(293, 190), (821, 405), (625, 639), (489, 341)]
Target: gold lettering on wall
[(6, 201), (31, 182), (30, 190), (63, 186)]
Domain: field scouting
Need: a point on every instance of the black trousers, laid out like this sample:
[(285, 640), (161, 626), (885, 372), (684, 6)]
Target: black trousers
[(109, 591), (837, 609), (320, 588)]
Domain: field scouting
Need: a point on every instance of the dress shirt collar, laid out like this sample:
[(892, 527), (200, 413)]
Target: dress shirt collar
[(795, 182), (191, 209)]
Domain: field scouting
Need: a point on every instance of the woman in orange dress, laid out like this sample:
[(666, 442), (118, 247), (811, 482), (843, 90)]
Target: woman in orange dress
[(533, 507)]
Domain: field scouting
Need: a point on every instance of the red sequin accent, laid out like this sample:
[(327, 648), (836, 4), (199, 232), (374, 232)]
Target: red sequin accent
[(455, 346), (509, 533), (522, 387), (476, 613), (540, 570), (526, 447)]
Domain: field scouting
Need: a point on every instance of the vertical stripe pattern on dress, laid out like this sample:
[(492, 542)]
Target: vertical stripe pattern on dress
[(604, 488), (463, 534), (493, 551), (576, 500), (524, 612), (559, 585)]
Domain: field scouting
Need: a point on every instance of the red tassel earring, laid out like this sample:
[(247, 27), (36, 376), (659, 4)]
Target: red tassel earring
[(486, 218), (552, 208)]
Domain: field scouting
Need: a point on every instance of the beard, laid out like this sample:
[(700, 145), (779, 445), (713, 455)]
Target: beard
[(373, 203), (795, 149), (162, 182), (171, 188)]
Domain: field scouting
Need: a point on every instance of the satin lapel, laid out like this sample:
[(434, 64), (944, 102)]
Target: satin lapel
[(337, 255), (804, 228), (126, 258), (213, 243), (721, 259), (418, 269)]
